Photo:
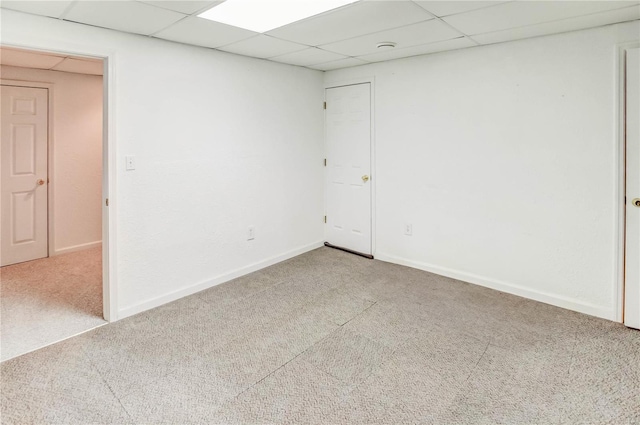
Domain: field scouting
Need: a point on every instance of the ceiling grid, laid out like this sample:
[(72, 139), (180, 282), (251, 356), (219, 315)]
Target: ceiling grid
[(348, 35)]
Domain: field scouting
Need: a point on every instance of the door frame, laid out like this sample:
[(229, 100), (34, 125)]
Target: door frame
[(50, 146), (620, 186), (374, 174), (109, 177)]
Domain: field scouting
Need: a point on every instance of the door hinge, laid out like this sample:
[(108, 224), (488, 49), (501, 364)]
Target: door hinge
[(107, 202), (325, 105), (325, 218), (325, 162)]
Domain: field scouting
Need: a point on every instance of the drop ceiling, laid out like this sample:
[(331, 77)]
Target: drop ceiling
[(347, 36), (63, 63)]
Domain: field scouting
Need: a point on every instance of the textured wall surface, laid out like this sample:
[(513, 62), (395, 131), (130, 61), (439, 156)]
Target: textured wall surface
[(222, 142), (76, 176), (504, 160)]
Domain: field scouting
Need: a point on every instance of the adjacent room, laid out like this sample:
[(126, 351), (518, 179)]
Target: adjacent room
[(51, 272), (320, 211)]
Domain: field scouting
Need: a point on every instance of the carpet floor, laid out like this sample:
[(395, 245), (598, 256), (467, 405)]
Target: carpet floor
[(47, 300), (332, 338)]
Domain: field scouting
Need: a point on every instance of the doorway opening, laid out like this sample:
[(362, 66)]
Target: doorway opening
[(52, 174)]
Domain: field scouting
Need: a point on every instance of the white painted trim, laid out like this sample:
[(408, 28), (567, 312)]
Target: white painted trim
[(76, 248), (109, 179), (620, 172), (201, 286), (51, 169), (110, 304), (349, 82), (374, 171), (545, 297)]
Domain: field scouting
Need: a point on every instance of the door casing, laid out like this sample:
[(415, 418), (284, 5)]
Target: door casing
[(50, 146), (374, 174)]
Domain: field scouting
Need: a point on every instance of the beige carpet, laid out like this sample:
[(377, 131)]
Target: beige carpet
[(45, 301), (332, 338)]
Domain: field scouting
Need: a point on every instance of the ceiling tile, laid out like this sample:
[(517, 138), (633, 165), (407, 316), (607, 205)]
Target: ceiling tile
[(203, 32), (445, 8), (80, 66), (263, 46), (342, 63), (46, 8), (456, 43), (411, 35), (351, 21), (571, 24), (24, 59), (183, 6), (310, 56), (521, 13), (128, 16)]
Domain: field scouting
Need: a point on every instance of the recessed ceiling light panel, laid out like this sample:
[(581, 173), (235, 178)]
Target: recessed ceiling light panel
[(265, 15)]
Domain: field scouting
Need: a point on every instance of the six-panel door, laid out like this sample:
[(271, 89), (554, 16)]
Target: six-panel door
[(348, 190), (23, 185)]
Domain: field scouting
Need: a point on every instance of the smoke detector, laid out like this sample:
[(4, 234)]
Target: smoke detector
[(386, 45)]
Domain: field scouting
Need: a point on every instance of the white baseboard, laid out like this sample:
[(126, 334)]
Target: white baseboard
[(175, 295), (533, 294), (75, 248)]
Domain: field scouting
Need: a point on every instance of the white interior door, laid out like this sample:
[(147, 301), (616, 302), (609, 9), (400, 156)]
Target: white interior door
[(632, 240), (348, 187), (23, 185)]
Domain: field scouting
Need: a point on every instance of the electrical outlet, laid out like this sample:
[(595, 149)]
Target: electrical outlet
[(130, 162), (251, 233), (408, 229)]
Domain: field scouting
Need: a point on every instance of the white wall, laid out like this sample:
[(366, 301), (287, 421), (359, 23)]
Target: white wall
[(221, 142), (76, 175), (504, 160)]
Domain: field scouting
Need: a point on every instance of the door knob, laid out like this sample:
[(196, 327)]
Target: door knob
[(365, 178), (636, 202), (40, 182)]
